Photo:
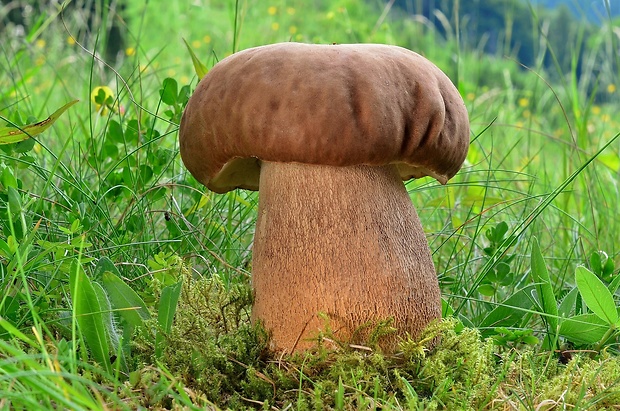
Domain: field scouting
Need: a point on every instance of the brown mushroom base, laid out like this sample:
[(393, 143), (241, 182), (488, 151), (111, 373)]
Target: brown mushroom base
[(345, 242)]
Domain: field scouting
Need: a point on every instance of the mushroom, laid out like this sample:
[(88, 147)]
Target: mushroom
[(327, 134)]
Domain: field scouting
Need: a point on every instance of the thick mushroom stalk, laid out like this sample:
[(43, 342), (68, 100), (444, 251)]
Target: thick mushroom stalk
[(342, 241)]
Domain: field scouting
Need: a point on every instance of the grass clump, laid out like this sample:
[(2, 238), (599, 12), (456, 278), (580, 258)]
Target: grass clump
[(539, 381)]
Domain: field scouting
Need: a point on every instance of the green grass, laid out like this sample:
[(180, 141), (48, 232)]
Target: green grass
[(98, 215)]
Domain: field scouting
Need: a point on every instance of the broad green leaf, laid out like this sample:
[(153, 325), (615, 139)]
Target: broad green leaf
[(104, 264), (608, 267), (544, 289), (15, 200), (25, 146), (9, 135), (169, 91), (132, 134), (184, 95), (75, 226), (88, 314), (596, 263), (583, 328), (510, 312), (117, 338), (5, 250), (115, 132), (10, 306), (487, 289), (8, 179), (497, 234), (200, 69), (165, 314), (567, 305), (106, 314), (124, 299), (168, 305), (596, 295)]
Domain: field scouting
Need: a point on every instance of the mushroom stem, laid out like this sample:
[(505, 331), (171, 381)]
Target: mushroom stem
[(343, 241)]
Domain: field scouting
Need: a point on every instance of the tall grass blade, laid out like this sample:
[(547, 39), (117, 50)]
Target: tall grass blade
[(165, 315), (339, 400), (236, 27), (544, 289), (34, 385), (14, 332)]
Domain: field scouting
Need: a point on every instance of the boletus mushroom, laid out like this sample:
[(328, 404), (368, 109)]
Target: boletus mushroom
[(327, 134)]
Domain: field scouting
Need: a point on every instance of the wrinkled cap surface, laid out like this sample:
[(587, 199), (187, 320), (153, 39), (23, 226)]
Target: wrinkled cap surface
[(337, 105)]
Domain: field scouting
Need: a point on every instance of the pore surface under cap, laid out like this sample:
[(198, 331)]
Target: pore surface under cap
[(337, 105)]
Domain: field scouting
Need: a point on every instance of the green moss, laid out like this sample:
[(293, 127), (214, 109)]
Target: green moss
[(584, 382), (218, 356)]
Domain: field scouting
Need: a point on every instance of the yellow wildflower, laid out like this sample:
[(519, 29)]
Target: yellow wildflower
[(103, 98)]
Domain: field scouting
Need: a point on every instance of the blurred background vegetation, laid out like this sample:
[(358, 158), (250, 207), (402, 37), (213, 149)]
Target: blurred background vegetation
[(102, 198), (555, 35)]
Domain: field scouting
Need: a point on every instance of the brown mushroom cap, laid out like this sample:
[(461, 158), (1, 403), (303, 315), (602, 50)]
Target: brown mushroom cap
[(338, 105)]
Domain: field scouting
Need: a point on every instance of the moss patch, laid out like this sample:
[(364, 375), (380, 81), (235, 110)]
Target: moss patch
[(215, 357)]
